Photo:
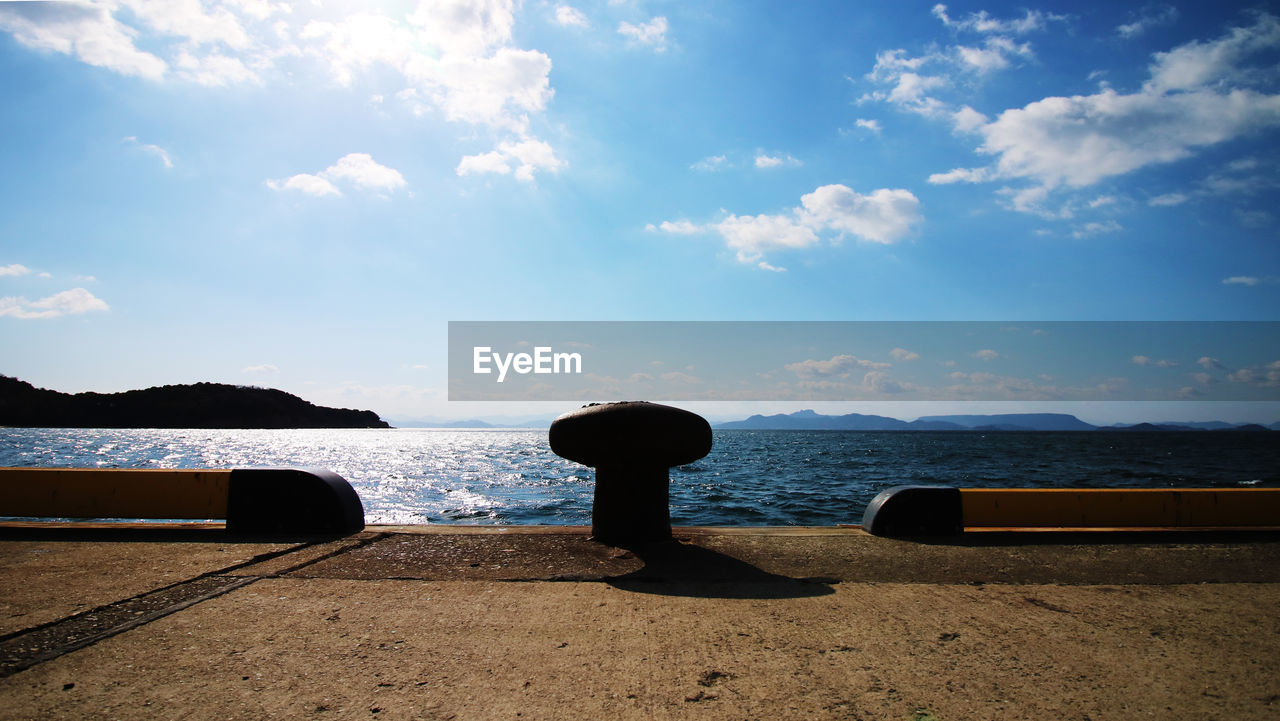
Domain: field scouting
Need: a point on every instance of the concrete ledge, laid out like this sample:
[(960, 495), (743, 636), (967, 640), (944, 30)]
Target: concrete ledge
[(251, 500)]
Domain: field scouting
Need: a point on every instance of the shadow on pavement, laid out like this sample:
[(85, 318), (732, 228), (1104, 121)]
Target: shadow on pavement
[(684, 569)]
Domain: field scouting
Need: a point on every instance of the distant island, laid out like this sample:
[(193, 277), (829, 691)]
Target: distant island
[(197, 405), (808, 420)]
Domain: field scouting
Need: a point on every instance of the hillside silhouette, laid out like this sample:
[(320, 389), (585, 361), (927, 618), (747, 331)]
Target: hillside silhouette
[(198, 405)]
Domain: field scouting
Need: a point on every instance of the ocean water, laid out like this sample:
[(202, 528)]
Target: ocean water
[(413, 476)]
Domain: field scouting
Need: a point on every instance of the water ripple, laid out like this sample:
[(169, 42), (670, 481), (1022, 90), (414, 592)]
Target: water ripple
[(414, 476)]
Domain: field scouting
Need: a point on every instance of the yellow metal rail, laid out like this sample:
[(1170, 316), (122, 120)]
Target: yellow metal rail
[(114, 493), (943, 510), (251, 500), (1120, 508)]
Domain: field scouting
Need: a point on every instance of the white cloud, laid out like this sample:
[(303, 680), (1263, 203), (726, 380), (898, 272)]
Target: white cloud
[(88, 32), (1267, 376), (14, 269), (155, 150), (356, 169), (261, 9), (456, 55), (1198, 95), (961, 175), (1032, 200), (908, 85), (262, 368), (994, 56), (569, 16), (902, 354), (1150, 17), (872, 125), (775, 161), (528, 156), (1096, 228), (532, 155), (490, 162), (358, 41), (1254, 218), (762, 265), (189, 20), (652, 33), (1167, 200), (910, 93), (986, 354), (880, 382), (967, 120), (884, 216), (1249, 280), (68, 302), (205, 44), (1198, 64), (361, 170), (711, 164), (1081, 140), (679, 227), (465, 27), (1210, 363), (305, 183), (983, 60), (1186, 105), (214, 70), (838, 366), (1142, 360), (753, 235), (497, 91), (982, 22)]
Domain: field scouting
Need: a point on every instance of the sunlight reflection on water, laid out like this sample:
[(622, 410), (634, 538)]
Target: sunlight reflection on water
[(412, 476)]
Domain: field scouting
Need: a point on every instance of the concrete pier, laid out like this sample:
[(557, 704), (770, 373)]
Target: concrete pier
[(542, 623)]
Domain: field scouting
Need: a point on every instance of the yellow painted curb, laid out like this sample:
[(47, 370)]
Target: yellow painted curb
[(114, 493), (1120, 508)]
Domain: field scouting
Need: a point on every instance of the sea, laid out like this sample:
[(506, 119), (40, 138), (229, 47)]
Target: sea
[(750, 478)]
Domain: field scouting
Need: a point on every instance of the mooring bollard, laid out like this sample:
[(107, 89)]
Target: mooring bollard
[(631, 445)]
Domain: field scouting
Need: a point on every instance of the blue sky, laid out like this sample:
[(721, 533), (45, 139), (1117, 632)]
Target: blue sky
[(302, 195)]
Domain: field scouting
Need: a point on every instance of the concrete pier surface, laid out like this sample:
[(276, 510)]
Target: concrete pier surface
[(542, 623)]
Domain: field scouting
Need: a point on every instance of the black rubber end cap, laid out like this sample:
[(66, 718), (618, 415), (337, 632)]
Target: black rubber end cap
[(293, 501), (915, 511)]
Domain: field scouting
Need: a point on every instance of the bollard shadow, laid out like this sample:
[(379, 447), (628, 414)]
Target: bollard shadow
[(683, 569)]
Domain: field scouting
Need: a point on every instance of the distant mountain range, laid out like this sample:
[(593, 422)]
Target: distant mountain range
[(218, 405), (808, 420), (198, 405)]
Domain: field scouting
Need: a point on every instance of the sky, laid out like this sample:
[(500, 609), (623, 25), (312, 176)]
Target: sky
[(302, 195)]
